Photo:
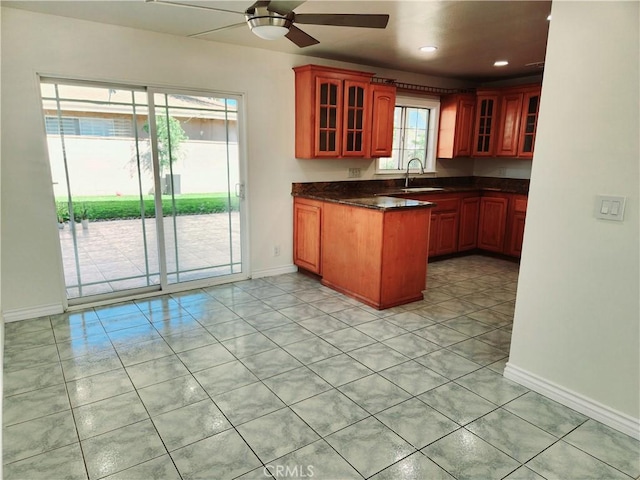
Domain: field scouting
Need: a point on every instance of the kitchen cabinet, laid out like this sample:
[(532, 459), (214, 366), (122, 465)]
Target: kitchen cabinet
[(509, 131), (468, 233), (506, 121), (443, 233), (444, 236), (492, 222), (485, 128), (457, 115), (341, 114), (372, 255), (518, 121), (515, 225), (383, 100), (307, 234), (529, 122)]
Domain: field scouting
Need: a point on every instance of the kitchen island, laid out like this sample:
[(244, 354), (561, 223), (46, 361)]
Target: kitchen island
[(367, 246)]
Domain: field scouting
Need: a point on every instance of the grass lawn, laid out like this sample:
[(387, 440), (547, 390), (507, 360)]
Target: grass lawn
[(114, 207)]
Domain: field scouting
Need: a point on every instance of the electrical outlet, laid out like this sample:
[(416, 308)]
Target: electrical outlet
[(276, 250), (355, 173), (502, 172)]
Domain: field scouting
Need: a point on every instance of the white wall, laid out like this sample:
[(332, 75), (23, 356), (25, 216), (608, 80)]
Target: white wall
[(502, 167), (1, 309), (41, 44), (106, 166), (577, 320)]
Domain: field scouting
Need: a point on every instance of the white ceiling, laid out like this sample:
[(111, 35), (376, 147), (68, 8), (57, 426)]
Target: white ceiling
[(470, 35)]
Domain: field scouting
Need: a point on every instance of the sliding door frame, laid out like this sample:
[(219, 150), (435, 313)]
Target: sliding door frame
[(164, 287), (167, 287)]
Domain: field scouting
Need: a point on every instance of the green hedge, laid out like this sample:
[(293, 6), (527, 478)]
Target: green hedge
[(113, 208)]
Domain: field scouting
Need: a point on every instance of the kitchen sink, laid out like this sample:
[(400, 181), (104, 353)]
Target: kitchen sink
[(421, 189)]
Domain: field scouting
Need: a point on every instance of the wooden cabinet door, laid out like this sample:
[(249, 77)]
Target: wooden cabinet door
[(464, 128), (383, 104), (515, 227), (468, 236), (492, 223), (447, 233), (356, 129), (509, 132), (328, 117), (307, 235), (485, 125), (516, 235), (433, 235), (455, 130), (529, 123), (443, 233)]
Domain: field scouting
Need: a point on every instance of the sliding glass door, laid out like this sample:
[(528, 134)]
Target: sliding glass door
[(122, 160), (197, 138)]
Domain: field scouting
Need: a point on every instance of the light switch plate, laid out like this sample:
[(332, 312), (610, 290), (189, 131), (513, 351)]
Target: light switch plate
[(610, 207)]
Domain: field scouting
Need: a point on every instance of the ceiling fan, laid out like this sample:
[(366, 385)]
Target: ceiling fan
[(275, 19)]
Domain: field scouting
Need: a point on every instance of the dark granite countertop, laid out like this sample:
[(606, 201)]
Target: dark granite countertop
[(384, 194), (377, 202)]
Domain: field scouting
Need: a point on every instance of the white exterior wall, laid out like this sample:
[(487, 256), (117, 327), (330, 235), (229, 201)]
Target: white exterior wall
[(35, 44), (576, 332), (107, 167)]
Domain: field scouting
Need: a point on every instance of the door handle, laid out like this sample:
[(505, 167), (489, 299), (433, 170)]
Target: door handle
[(240, 190)]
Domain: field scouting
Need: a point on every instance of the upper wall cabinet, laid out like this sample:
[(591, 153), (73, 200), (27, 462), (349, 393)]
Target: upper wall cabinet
[(486, 125), (340, 113), (383, 101), (529, 122), (506, 120), (456, 126)]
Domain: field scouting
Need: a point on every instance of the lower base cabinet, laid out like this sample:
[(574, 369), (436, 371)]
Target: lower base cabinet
[(307, 230), (468, 234), (515, 225), (492, 222), (373, 256), (443, 235)]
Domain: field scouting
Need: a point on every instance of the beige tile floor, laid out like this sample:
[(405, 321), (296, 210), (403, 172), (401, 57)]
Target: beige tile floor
[(111, 251), (284, 378)]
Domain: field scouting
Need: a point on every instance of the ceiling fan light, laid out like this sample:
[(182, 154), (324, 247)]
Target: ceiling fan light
[(269, 27), (269, 32)]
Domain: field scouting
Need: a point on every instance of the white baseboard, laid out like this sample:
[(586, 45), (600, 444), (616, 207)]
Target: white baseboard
[(270, 272), (32, 312), (602, 413)]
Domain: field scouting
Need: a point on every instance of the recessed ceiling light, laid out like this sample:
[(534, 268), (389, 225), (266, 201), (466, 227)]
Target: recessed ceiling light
[(549, 17), (500, 63), (428, 48)]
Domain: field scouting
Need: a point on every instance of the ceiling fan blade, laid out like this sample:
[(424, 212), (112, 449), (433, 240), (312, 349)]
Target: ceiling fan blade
[(188, 5), (283, 7), (343, 19), (219, 29), (300, 38)]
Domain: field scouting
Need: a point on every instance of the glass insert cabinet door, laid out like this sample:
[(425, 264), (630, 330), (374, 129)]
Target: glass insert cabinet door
[(529, 123), (354, 141), (484, 135), (329, 116), (146, 186)]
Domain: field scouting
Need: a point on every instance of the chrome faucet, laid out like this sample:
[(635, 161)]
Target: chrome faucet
[(406, 180)]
